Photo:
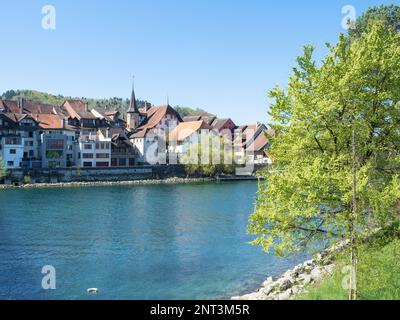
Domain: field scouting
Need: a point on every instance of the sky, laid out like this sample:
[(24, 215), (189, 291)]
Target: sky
[(219, 55)]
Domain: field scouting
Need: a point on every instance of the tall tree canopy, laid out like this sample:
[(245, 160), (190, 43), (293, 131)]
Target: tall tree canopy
[(389, 15), (357, 87)]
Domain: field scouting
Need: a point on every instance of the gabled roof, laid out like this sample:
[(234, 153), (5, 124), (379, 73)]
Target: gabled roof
[(10, 106), (38, 107), (260, 143), (186, 129), (17, 117), (77, 109), (218, 124), (191, 118), (154, 117), (50, 121)]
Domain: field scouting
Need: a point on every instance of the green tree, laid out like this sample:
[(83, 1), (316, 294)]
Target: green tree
[(3, 171), (389, 15), (219, 158), (355, 89)]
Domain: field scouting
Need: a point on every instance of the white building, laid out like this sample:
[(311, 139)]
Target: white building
[(95, 151), (187, 133), (12, 151)]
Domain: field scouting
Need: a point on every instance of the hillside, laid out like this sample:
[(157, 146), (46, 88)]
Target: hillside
[(110, 104)]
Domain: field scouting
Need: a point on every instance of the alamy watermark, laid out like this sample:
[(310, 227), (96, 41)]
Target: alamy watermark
[(350, 16), (49, 280), (49, 17)]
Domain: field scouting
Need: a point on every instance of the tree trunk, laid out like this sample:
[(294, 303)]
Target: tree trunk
[(353, 231)]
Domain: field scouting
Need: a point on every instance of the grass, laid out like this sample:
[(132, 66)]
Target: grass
[(378, 276)]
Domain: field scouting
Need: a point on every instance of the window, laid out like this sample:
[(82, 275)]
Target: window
[(122, 162), (114, 162), (102, 164), (13, 151), (102, 155), (131, 161), (28, 143), (30, 134), (31, 153), (57, 144), (10, 163), (12, 140), (87, 155), (87, 147), (87, 164)]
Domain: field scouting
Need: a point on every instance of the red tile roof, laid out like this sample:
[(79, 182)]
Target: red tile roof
[(186, 129), (259, 143), (50, 121), (154, 117)]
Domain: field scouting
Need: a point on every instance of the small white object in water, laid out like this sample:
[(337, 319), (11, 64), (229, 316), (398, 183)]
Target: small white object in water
[(92, 290)]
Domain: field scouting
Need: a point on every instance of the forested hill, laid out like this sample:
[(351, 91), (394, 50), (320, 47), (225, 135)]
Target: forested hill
[(110, 104)]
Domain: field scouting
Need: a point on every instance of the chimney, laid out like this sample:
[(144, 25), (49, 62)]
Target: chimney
[(87, 106), (108, 133), (63, 123), (146, 106), (21, 105)]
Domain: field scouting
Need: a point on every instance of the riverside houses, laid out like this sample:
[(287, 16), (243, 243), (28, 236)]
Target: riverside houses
[(148, 129), (34, 135), (59, 147), (19, 140), (186, 133), (95, 151)]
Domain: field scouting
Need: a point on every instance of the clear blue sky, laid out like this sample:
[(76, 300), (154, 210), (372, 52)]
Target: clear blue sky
[(220, 55)]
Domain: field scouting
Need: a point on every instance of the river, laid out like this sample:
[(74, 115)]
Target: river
[(183, 241)]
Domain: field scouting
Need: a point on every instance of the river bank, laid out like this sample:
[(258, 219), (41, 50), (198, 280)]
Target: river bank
[(175, 180), (295, 281)]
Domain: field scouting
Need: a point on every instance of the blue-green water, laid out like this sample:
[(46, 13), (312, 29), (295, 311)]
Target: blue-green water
[(132, 242)]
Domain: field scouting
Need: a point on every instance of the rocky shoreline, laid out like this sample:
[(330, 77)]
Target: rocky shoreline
[(295, 281), (107, 183)]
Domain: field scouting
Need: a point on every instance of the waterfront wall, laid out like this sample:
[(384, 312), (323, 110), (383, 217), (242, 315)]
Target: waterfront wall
[(158, 172)]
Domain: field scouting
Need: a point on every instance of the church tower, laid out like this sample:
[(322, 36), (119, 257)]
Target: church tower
[(132, 115)]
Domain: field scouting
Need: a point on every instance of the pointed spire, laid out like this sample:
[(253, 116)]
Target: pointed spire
[(133, 106)]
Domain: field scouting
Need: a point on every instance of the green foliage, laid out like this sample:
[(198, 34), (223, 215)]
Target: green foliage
[(109, 104), (27, 179), (378, 274), (3, 171), (389, 15), (218, 161), (356, 87), (187, 111), (54, 154)]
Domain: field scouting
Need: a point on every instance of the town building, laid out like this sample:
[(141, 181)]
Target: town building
[(95, 150), (123, 152), (187, 133), (58, 143), (19, 129), (251, 144)]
